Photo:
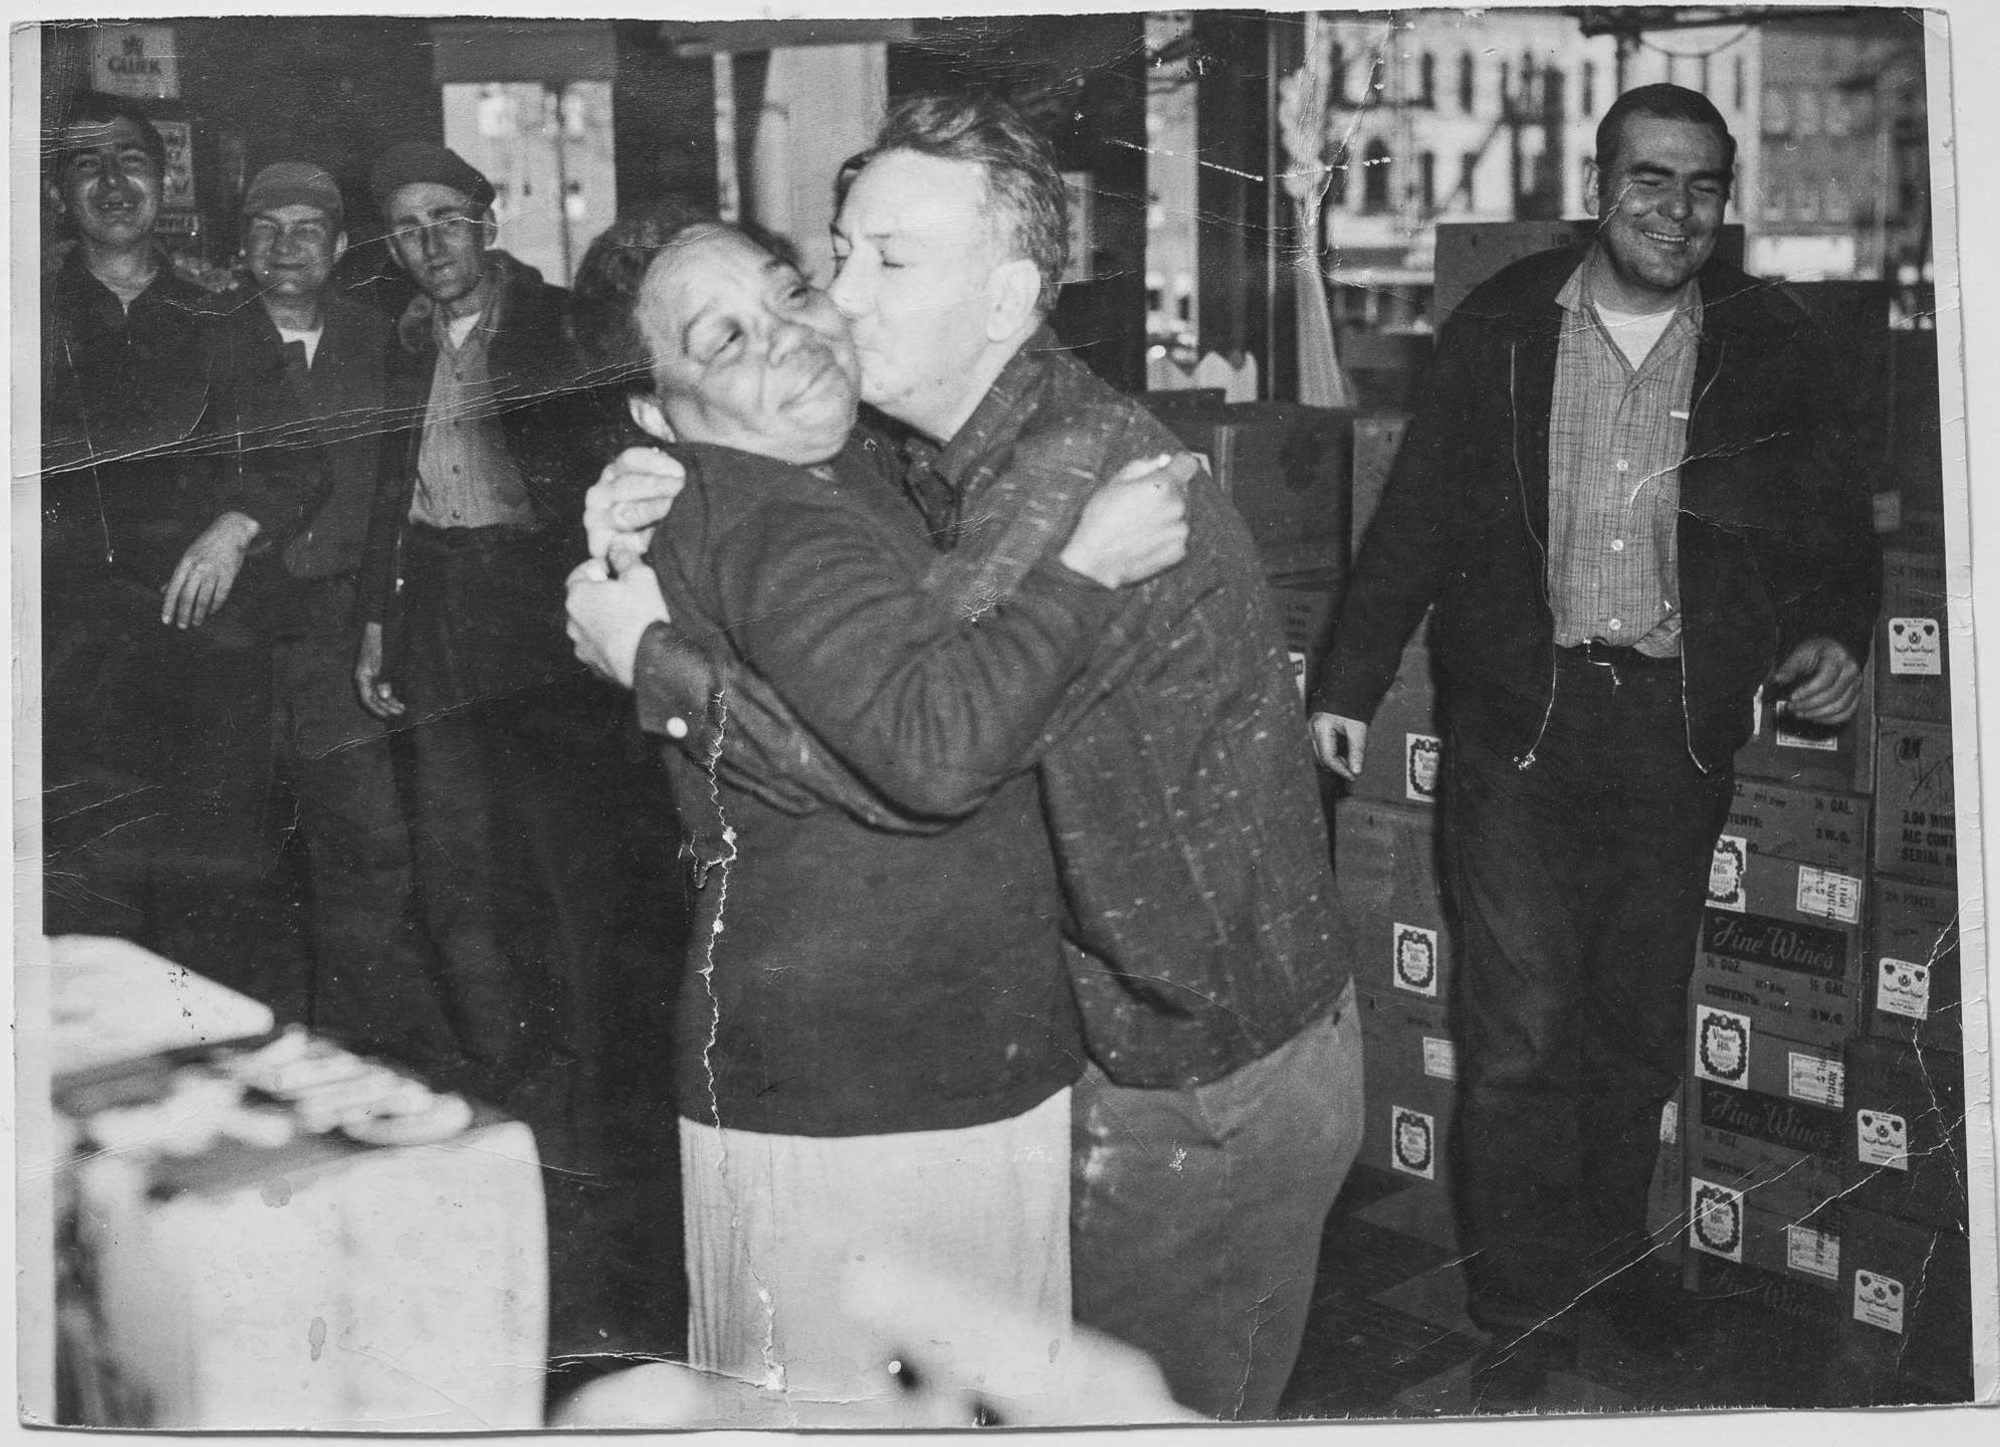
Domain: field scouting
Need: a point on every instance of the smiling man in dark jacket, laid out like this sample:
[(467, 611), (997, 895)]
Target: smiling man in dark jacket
[(1629, 503)]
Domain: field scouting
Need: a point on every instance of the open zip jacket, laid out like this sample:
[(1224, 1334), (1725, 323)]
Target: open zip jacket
[(1775, 540)]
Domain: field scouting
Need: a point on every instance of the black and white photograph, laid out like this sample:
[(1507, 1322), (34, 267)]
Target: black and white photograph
[(790, 720)]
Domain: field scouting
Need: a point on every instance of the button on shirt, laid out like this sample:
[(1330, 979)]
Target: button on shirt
[(466, 477), (1617, 436)]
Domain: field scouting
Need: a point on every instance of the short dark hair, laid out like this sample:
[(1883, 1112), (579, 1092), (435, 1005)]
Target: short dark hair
[(1019, 165), (605, 295), (1662, 102), (93, 109)]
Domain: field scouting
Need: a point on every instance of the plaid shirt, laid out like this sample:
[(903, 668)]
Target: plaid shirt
[(1176, 772), (1178, 775), (1617, 434)]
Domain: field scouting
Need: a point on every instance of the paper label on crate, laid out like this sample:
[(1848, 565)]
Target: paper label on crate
[(1414, 965), (1882, 1139), (1903, 987), (1670, 1123), (1715, 1219), (1813, 1252), (1298, 670), (1440, 1058), (1878, 1301), (1721, 1045), (1916, 648), (1422, 755), (1413, 1142), (1816, 1078), (1786, 739), (1829, 895), (1726, 871)]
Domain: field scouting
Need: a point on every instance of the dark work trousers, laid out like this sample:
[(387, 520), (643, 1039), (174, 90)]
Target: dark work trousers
[(1579, 882), (156, 774), (512, 798), (371, 987)]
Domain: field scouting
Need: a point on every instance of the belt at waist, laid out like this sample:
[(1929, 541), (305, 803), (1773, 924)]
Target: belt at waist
[(1616, 655), (423, 535)]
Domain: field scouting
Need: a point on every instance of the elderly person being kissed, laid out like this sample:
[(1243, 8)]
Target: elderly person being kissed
[(875, 1035)]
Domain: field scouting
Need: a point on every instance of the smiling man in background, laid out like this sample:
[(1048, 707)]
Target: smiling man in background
[(1630, 504), (308, 362), (162, 516)]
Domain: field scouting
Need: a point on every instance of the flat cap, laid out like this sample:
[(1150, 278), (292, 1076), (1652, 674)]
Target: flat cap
[(409, 162), (292, 183)]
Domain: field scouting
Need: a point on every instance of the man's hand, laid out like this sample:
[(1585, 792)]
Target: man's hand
[(1820, 683), (1341, 743), (608, 615), (636, 489), (376, 694), (208, 570), (1135, 526)]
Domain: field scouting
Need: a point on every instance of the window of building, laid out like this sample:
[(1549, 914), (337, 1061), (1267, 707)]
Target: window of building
[(1703, 87), (1777, 111), (1468, 169), (1506, 86), (1466, 71), (1427, 178), (1337, 191), (1427, 79), (1375, 165), (1528, 80), (1739, 83), (1586, 95), (1805, 112), (1336, 75)]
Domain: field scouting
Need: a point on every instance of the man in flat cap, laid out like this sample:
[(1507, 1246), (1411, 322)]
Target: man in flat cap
[(307, 362), (473, 528)]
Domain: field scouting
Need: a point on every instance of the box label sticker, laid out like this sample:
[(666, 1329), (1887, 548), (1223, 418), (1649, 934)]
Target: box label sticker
[(1816, 1253), (1878, 1301), (1816, 1078), (1916, 648), (1440, 1058), (1414, 964), (1715, 1219), (1721, 1045), (1829, 895), (1903, 987), (1670, 1123), (1413, 1142), (1422, 754), (1825, 742), (1882, 1139), (1725, 873)]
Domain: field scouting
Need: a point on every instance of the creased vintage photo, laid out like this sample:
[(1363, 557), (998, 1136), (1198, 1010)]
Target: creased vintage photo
[(1029, 719)]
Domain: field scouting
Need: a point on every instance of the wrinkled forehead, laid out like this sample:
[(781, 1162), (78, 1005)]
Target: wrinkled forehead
[(82, 138), (912, 194), (420, 200), (705, 268)]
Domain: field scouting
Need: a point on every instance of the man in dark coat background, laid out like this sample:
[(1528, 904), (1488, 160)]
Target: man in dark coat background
[(1628, 502)]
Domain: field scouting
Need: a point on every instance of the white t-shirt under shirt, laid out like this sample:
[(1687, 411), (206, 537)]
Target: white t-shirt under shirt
[(1635, 332), (311, 339)]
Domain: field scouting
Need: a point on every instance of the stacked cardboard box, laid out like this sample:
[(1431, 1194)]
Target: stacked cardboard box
[(1286, 468), (1401, 944), (1774, 996)]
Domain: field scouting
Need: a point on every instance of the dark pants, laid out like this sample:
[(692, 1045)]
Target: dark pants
[(513, 798), (1579, 883), (156, 773), (1196, 1215), (370, 985)]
